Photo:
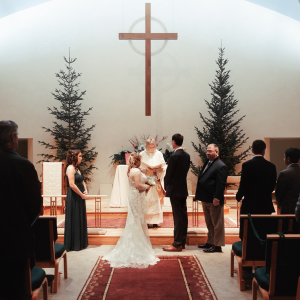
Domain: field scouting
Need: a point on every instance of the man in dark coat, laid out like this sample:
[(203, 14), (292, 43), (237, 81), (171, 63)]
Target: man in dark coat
[(288, 183), (297, 211), (176, 188), (258, 180), (20, 204), (210, 191)]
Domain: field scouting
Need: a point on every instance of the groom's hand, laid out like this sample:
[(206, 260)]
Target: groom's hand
[(216, 202)]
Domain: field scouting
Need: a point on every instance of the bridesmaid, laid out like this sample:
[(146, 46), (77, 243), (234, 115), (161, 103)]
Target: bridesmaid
[(76, 222)]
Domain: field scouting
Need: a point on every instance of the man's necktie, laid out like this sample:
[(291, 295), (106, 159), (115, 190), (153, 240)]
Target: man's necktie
[(207, 166)]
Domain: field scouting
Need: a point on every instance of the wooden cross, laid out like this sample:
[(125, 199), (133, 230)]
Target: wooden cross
[(148, 36)]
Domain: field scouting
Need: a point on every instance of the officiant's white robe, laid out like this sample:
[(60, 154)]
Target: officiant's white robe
[(154, 209)]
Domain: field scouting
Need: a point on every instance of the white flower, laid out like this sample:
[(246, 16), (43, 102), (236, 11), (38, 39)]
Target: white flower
[(151, 181)]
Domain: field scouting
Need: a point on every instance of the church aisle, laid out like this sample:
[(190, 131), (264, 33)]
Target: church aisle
[(216, 267)]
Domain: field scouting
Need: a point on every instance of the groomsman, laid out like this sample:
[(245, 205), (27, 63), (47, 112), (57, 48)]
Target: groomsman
[(288, 183), (210, 191), (176, 189), (258, 180)]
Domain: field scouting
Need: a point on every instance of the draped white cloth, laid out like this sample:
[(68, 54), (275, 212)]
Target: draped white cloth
[(154, 209), (52, 181), (134, 248), (120, 189)]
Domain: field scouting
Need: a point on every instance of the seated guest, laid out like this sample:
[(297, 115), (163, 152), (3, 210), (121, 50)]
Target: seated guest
[(258, 181), (20, 204), (288, 184)]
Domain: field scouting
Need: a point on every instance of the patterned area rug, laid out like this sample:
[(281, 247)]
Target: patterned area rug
[(168, 223), (173, 277)]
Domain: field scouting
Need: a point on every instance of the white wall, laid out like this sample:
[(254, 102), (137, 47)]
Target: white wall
[(277, 150), (262, 46)]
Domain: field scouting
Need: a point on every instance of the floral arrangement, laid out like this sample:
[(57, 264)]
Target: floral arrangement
[(119, 158)]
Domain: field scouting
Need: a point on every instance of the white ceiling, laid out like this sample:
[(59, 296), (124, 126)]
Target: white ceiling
[(289, 8)]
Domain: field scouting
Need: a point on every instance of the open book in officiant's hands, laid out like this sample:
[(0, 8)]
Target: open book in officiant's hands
[(152, 168)]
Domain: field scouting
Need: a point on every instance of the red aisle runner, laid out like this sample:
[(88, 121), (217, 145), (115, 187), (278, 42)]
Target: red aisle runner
[(173, 277)]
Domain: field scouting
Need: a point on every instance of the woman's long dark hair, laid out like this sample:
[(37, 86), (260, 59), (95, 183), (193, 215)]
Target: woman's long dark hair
[(72, 159)]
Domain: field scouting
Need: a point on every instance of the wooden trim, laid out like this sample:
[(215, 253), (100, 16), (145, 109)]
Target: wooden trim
[(254, 263), (231, 263), (287, 236), (264, 293), (273, 269), (44, 264), (298, 290), (254, 289), (270, 216)]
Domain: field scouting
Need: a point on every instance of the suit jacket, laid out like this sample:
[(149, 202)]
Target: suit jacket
[(288, 189), (20, 203), (175, 178), (212, 182), (258, 180), (297, 211)]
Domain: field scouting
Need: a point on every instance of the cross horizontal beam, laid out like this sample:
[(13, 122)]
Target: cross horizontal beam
[(148, 36)]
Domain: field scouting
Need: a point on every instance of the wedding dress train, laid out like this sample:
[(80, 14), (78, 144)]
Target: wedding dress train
[(134, 248)]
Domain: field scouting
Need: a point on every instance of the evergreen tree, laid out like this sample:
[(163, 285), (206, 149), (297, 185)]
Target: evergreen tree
[(221, 127), (69, 130)]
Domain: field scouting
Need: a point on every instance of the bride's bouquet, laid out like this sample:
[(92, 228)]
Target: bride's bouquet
[(151, 181)]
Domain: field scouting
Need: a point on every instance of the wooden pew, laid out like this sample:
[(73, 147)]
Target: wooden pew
[(48, 253), (250, 252), (279, 279)]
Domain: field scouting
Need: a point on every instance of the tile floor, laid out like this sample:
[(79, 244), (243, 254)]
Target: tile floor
[(216, 266)]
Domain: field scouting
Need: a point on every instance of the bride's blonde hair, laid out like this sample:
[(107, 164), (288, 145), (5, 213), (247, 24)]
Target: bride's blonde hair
[(134, 161)]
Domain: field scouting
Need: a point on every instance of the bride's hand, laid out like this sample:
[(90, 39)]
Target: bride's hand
[(148, 188)]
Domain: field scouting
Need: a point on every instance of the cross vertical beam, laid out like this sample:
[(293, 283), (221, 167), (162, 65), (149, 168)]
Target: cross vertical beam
[(148, 36), (148, 62)]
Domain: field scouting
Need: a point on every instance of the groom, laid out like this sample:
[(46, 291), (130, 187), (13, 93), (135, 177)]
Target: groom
[(176, 189)]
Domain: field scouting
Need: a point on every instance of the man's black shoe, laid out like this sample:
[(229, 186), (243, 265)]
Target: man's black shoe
[(206, 246), (213, 249)]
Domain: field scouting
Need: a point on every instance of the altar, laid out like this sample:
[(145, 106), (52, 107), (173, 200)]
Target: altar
[(121, 188)]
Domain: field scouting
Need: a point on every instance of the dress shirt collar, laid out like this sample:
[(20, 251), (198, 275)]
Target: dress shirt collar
[(178, 149), (292, 164)]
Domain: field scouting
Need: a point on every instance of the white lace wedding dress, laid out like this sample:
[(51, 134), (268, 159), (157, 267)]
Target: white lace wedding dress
[(134, 248)]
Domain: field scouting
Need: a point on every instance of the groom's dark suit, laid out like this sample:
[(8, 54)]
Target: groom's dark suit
[(176, 188)]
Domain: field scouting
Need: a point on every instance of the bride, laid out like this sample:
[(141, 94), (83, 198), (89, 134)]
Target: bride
[(134, 248)]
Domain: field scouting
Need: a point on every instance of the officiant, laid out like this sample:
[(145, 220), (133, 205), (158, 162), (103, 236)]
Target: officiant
[(152, 159)]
